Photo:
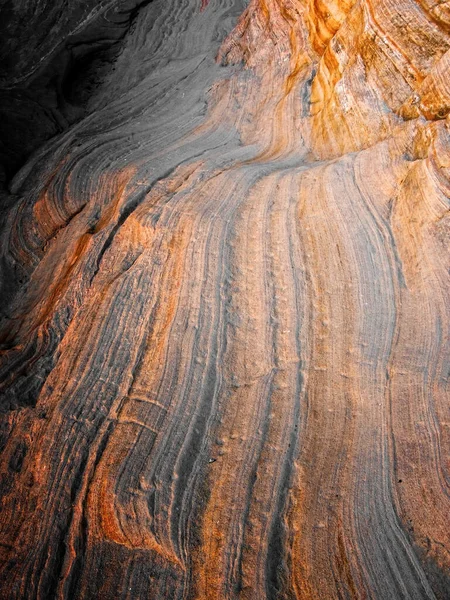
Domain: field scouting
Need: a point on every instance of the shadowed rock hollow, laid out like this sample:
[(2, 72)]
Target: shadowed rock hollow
[(225, 309)]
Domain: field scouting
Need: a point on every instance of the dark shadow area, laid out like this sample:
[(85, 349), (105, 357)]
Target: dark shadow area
[(47, 82)]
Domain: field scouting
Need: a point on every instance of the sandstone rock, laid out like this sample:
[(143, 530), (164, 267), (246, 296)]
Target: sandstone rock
[(225, 317)]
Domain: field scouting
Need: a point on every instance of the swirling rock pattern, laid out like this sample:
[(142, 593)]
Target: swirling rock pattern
[(225, 323)]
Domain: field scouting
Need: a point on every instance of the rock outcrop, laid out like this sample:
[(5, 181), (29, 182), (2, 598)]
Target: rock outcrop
[(225, 318)]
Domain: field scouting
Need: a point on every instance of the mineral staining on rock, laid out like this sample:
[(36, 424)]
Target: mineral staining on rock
[(225, 321)]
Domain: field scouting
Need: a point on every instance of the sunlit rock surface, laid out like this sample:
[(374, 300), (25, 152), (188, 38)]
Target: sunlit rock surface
[(225, 302)]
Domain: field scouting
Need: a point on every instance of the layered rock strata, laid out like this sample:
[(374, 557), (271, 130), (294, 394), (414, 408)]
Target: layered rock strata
[(225, 320)]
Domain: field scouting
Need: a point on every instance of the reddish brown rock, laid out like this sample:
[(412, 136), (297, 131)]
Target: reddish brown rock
[(226, 319)]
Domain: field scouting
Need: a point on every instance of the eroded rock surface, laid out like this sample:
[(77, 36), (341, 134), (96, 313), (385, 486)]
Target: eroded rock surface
[(225, 349)]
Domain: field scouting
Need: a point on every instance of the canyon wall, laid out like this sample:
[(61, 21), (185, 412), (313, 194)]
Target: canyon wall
[(225, 310)]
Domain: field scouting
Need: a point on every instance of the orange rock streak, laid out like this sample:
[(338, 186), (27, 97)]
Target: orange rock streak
[(225, 353)]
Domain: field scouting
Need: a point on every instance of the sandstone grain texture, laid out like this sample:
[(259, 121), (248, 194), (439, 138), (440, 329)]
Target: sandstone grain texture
[(225, 317)]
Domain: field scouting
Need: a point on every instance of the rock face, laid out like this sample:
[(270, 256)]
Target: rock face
[(225, 316), (52, 55)]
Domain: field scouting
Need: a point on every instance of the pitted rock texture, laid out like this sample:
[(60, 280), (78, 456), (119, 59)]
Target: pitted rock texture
[(225, 326)]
